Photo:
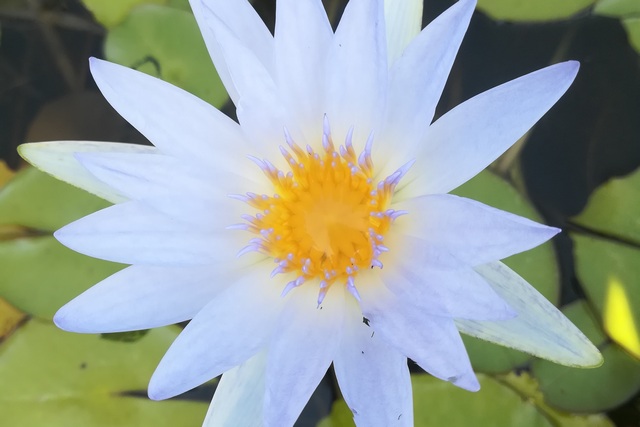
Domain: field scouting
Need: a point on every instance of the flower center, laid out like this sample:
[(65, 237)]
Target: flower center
[(327, 218)]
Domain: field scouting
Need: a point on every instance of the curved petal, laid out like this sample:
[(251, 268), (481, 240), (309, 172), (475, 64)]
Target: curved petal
[(239, 395), (440, 290), (417, 79), (373, 377), (403, 20), (540, 328), (469, 231), (302, 348), (260, 111), (229, 330), (302, 37), (178, 123), (466, 139), (244, 23), (168, 185), (143, 297), (58, 158), (132, 233), (357, 72), (433, 342)]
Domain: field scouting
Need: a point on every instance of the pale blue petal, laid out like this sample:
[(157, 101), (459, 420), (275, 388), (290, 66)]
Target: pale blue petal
[(303, 35), (468, 231), (472, 135), (245, 24), (144, 297), (239, 395), (440, 289), (228, 331), (540, 328), (133, 233), (433, 342), (300, 352), (356, 72), (165, 183), (58, 158), (417, 79), (403, 19), (373, 377), (260, 110), (175, 121)]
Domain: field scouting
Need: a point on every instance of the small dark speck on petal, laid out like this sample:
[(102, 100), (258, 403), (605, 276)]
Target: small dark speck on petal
[(399, 416), (365, 321)]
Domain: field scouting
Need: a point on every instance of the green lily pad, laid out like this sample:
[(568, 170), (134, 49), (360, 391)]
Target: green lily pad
[(5, 173), (438, 403), (538, 266), (165, 42), (610, 274), (527, 386), (613, 208), (39, 275), (10, 319), (617, 7), (632, 26), (37, 201), (589, 390), (54, 378), (539, 10), (111, 13)]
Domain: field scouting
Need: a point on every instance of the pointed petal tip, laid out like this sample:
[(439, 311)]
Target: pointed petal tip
[(568, 69), (95, 64), (61, 321), (159, 388), (467, 381), (573, 65), (67, 320), (468, 4), (60, 235), (550, 231), (25, 150), (587, 357)]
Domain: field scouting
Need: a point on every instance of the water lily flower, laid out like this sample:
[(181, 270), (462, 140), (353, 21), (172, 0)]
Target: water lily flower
[(317, 229)]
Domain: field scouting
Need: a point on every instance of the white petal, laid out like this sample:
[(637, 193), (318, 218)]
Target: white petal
[(260, 109), (469, 231), (403, 19), (175, 121), (416, 83), (540, 328), (357, 71), (239, 395), (132, 233), (373, 377), (433, 342), (143, 297), (302, 38), (303, 346), (466, 139), (244, 23), (458, 291), (58, 159), (227, 332), (167, 184)]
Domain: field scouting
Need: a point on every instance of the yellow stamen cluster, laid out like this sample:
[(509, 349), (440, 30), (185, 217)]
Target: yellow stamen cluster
[(327, 219)]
